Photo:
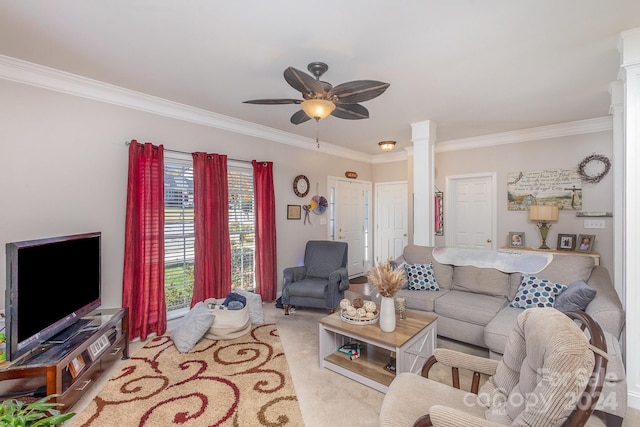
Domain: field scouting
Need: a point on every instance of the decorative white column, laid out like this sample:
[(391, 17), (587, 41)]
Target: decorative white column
[(423, 136), (630, 73)]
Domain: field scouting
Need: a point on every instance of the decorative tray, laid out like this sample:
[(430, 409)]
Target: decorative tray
[(360, 320)]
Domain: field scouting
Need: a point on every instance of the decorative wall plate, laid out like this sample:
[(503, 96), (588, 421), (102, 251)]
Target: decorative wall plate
[(319, 204), (301, 186)]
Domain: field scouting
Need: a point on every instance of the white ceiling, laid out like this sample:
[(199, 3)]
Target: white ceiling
[(474, 67)]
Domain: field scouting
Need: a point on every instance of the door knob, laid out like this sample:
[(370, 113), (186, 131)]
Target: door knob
[(405, 234), (489, 240)]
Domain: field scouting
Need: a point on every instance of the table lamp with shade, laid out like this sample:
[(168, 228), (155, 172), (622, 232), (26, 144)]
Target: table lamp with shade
[(543, 214)]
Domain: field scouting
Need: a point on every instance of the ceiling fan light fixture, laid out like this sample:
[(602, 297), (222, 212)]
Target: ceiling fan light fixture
[(318, 108), (387, 145)]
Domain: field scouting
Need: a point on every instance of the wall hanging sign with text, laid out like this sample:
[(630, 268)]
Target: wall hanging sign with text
[(561, 187)]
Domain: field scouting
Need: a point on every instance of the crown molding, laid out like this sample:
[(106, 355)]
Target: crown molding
[(28, 73), (578, 127), (629, 48)]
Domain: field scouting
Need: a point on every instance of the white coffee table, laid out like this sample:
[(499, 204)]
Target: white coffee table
[(413, 342)]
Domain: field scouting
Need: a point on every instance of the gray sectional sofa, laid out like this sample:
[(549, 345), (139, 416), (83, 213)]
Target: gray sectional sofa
[(473, 303)]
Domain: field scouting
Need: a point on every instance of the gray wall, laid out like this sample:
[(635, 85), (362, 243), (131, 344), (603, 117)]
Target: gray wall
[(63, 169), (557, 153)]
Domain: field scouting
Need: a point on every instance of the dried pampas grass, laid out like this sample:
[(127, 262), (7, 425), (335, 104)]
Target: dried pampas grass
[(385, 279)]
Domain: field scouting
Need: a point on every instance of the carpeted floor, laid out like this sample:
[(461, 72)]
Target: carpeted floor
[(325, 397), (241, 382)]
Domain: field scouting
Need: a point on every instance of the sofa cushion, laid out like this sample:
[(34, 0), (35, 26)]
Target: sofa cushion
[(487, 281), (420, 300), (469, 307), (576, 298), (567, 268), (421, 277), (536, 292), (497, 331), (514, 284), (310, 287), (402, 267), (414, 254)]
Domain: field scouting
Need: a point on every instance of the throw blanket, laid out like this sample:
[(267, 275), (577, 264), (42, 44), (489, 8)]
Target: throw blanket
[(506, 261)]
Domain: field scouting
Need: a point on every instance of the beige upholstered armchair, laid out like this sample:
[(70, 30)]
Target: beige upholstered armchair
[(321, 281), (551, 374)]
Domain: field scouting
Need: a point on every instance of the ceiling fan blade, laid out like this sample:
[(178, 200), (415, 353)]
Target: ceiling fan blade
[(303, 82), (273, 101), (299, 117), (326, 86), (350, 112), (357, 91)]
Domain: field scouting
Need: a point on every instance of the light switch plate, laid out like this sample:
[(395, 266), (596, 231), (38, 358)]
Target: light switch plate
[(594, 223)]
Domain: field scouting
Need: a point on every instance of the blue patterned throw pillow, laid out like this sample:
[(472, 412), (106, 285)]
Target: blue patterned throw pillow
[(535, 292), (421, 277)]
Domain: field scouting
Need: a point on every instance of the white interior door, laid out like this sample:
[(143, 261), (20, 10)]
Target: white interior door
[(470, 218), (351, 225), (391, 220)]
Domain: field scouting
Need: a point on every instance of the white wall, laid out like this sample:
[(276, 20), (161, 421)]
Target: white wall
[(555, 153), (63, 170)]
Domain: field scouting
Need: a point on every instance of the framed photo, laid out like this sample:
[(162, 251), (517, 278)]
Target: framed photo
[(76, 366), (516, 239), (566, 242), (585, 243), (294, 212)]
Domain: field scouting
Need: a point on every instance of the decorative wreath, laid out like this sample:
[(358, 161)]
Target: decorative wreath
[(594, 178), (318, 205)]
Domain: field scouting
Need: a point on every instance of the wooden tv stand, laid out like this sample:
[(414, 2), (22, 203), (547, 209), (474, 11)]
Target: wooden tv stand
[(68, 368)]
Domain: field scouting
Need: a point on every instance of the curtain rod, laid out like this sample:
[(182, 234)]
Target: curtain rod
[(188, 154)]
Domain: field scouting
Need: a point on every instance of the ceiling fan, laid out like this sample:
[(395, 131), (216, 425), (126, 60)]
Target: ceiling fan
[(322, 99)]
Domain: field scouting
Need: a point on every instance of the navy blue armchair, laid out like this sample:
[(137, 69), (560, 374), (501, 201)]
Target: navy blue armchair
[(321, 281)]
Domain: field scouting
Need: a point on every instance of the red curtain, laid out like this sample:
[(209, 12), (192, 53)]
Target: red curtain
[(143, 278), (266, 260), (212, 267)]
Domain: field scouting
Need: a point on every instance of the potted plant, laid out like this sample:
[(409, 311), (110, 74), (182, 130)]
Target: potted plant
[(16, 413)]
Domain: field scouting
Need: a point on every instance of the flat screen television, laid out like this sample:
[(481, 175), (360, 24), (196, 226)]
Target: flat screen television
[(51, 284)]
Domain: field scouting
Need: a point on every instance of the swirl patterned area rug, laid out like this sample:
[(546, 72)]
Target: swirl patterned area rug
[(241, 382)]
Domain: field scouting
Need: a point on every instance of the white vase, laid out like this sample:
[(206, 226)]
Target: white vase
[(387, 315)]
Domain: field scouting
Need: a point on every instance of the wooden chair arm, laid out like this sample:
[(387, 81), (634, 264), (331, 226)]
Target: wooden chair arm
[(455, 373), (423, 421)]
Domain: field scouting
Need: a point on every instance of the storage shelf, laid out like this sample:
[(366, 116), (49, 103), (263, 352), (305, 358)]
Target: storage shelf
[(413, 342), (594, 255), (370, 364), (49, 366)]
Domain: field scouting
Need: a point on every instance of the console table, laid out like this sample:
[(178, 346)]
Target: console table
[(413, 343), (68, 368), (594, 255)]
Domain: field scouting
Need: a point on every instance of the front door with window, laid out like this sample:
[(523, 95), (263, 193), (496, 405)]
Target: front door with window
[(351, 222)]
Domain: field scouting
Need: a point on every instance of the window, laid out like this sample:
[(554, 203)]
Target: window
[(179, 229), (242, 226), (178, 233)]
